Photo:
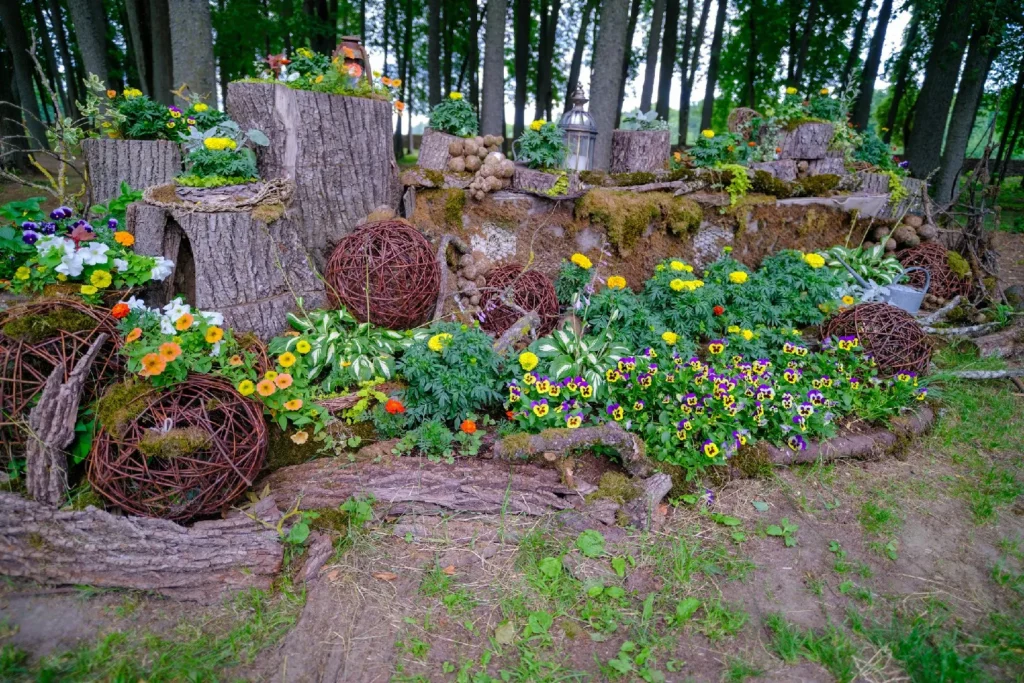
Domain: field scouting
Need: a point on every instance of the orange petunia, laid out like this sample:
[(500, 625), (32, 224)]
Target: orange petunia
[(235, 360), (399, 106), (214, 334), (283, 380), (184, 322), (152, 365), (170, 351), (120, 310), (133, 335), (265, 387), (293, 404)]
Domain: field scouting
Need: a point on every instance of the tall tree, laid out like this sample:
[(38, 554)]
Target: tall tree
[(1016, 96), (684, 55), (577, 52), (139, 29), (43, 36), (492, 108), (794, 10), (70, 75), (433, 52), (17, 40), (713, 62), (651, 62), (858, 38), (192, 47), (90, 32), (668, 57), (862, 108), (924, 146), (752, 55), (162, 64), (11, 131), (545, 56), (521, 45), (981, 52), (627, 57), (805, 41), (609, 51), (910, 40), (474, 55), (448, 22), (686, 91)]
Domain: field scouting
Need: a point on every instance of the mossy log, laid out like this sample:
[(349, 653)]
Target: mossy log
[(422, 177), (140, 163), (433, 153), (337, 149), (1002, 344), (806, 141), (783, 169), (527, 179), (206, 562), (629, 447), (636, 151)]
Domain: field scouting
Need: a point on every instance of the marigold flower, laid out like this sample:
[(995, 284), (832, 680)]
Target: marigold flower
[(455, 96), (111, 94), (468, 426), (170, 351), (300, 438), (438, 342), (823, 91), (319, 78), (283, 380), (286, 359), (718, 310), (733, 329), (538, 124), (814, 260), (616, 282), (133, 335), (184, 322), (394, 406), (88, 290), (751, 144), (293, 404), (708, 133), (200, 107), (737, 277), (528, 360), (669, 338), (747, 334), (265, 388), (152, 365), (581, 261), (677, 284), (214, 334), (790, 90), (120, 310), (125, 239), (218, 144)]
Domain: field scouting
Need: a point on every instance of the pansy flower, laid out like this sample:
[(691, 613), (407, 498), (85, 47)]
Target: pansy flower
[(800, 421), (741, 437), (540, 408), (543, 385), (574, 421), (716, 347), (586, 390), (791, 375), (848, 343), (571, 383), (815, 397), (612, 375), (529, 379), (805, 410), (616, 411), (644, 380), (787, 400), (514, 393), (797, 443), (554, 390), (921, 393), (710, 449), (765, 392), (638, 405), (682, 428)]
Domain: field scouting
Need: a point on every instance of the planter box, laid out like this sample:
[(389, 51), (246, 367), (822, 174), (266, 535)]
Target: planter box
[(635, 151), (140, 163), (806, 141)]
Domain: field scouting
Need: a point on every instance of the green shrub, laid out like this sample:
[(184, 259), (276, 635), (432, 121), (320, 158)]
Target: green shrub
[(541, 146), (454, 116)]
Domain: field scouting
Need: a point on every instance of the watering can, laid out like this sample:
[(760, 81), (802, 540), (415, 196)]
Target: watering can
[(900, 296)]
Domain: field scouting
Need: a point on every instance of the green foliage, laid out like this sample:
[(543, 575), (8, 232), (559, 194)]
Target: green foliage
[(221, 153), (454, 116), (785, 530), (569, 352), (193, 180), (541, 146), (874, 151), (571, 281), (638, 120), (874, 264), (14, 251), (116, 207), (738, 185), (590, 543), (897, 191), (713, 149)]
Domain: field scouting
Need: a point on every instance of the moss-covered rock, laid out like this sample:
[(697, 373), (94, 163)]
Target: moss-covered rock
[(434, 176), (818, 185), (626, 215), (635, 178), (454, 202), (615, 486), (767, 184), (33, 329), (121, 404)]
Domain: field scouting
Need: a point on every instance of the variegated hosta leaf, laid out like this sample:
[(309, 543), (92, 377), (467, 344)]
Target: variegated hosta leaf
[(546, 348), (562, 337), (560, 367), (331, 350)]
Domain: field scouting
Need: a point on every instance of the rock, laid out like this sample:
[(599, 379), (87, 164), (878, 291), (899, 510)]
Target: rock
[(481, 281), (474, 300), (470, 272), (457, 164), (469, 147), (466, 260), (868, 245), (802, 166), (913, 221), (455, 148), (912, 241), (980, 319), (1015, 296), (483, 264), (904, 233), (879, 232), (479, 140), (927, 232), (890, 244), (508, 168), (472, 163)]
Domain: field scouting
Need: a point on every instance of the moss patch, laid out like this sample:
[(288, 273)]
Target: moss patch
[(615, 486), (175, 443), (957, 263), (765, 183), (753, 462), (636, 178), (269, 212), (626, 215), (454, 201), (818, 185), (121, 404), (434, 176), (594, 177), (283, 452), (36, 328), (166, 194)]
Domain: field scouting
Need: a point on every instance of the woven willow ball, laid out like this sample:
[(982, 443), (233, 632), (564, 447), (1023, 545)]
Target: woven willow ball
[(892, 335), (182, 452), (530, 290), (39, 336), (934, 257), (390, 266)]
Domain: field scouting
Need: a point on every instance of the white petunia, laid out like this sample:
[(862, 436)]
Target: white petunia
[(50, 242), (94, 254), (212, 317), (70, 265), (120, 264), (136, 304), (176, 309), (215, 349), (162, 269), (167, 326)]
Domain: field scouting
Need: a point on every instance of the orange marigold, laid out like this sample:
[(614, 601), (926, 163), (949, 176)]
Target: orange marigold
[(468, 426), (120, 310)]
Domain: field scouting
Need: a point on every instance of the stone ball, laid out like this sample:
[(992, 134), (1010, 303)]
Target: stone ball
[(927, 232), (472, 163), (457, 164), (879, 232), (494, 158), (470, 147), (455, 148), (904, 234), (913, 221), (508, 168)]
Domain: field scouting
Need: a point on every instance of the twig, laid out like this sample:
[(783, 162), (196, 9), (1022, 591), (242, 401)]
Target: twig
[(941, 313), (969, 331)]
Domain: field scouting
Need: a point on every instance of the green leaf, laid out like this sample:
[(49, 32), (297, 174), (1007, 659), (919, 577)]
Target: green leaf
[(774, 530), (551, 567), (726, 519), (685, 609), (590, 543), (760, 505), (539, 622), (619, 565), (615, 592), (505, 634)]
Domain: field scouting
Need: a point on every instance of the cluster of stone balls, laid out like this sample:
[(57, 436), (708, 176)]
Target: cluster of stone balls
[(910, 233)]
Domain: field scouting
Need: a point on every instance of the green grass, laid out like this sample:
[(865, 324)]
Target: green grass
[(831, 647), (928, 646)]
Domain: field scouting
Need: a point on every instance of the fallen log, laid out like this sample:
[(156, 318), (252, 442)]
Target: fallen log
[(629, 447), (205, 562), (1002, 344), (968, 331), (941, 313)]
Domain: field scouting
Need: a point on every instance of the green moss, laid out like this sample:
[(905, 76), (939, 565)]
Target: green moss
[(36, 540), (560, 187), (175, 443), (283, 452), (594, 177), (682, 215), (121, 404), (269, 212), (615, 486), (516, 446), (434, 176), (958, 264), (330, 520), (818, 185), (626, 215), (454, 201), (796, 123), (765, 183), (679, 174), (630, 179), (753, 462), (35, 328)]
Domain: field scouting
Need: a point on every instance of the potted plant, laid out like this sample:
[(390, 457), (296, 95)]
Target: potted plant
[(640, 144), (220, 156), (540, 158)]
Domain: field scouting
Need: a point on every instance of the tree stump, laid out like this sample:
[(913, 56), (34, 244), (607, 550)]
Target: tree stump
[(832, 165), (140, 163), (434, 149), (635, 151), (527, 179), (783, 169), (337, 149), (806, 141)]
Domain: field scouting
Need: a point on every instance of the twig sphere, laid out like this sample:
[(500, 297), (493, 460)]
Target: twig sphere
[(528, 291), (892, 335), (934, 257)]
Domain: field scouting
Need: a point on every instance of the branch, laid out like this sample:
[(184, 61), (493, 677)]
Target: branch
[(941, 313)]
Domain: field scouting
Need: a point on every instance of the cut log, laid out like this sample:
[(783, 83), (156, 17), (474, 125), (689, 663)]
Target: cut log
[(140, 163), (783, 169), (337, 149), (206, 562), (1002, 344), (433, 154), (629, 447), (527, 179), (830, 165), (418, 177), (635, 151), (52, 427), (806, 141)]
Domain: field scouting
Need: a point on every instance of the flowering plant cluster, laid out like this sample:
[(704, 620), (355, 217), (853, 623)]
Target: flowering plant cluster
[(339, 74), (221, 155), (68, 249), (541, 146), (573, 279), (712, 149), (454, 116)]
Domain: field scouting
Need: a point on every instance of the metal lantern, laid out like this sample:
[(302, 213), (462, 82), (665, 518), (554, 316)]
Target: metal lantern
[(580, 134), (353, 52)]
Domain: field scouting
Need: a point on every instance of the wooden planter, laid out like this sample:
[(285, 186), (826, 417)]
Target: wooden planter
[(337, 149), (635, 151), (140, 163), (806, 141)]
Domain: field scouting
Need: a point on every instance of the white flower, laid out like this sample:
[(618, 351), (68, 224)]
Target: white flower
[(212, 317), (136, 304), (215, 349), (94, 254), (176, 309), (70, 265), (45, 244), (167, 326), (162, 269), (120, 264)]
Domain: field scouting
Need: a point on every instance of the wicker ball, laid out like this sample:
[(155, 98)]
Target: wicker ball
[(934, 257), (530, 290), (892, 335), (739, 120), (37, 337), (183, 452), (389, 265)]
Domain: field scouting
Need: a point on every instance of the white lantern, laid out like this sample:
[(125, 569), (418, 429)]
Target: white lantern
[(580, 134)]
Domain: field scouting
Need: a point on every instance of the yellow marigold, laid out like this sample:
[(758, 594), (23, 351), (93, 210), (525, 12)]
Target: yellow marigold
[(823, 91), (304, 52), (528, 360), (22, 273), (669, 338), (286, 359), (246, 387), (100, 279), (733, 329), (708, 133), (125, 239), (216, 144), (88, 290), (748, 334), (790, 90), (265, 388), (455, 96), (814, 260), (849, 300), (184, 322), (303, 346), (319, 78), (200, 107), (677, 285), (581, 261), (616, 282), (737, 277), (132, 93), (214, 334), (677, 265), (537, 125), (438, 342)]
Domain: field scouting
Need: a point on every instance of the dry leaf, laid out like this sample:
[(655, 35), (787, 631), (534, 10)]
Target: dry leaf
[(385, 576), (449, 570), (663, 509), (331, 576)]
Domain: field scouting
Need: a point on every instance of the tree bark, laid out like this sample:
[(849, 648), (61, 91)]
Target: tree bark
[(1011, 115), (192, 48), (862, 108), (90, 32), (162, 59), (794, 7), (70, 76), (806, 141), (980, 54), (609, 51), (805, 41), (639, 151), (712, 80), (902, 74), (924, 146), (544, 66), (474, 56), (434, 149), (433, 52), (493, 91), (858, 38), (339, 179), (206, 562), (140, 163), (13, 142), (651, 62), (43, 35), (627, 57), (577, 52), (446, 44), (752, 55), (17, 41), (668, 56), (686, 92), (521, 45)]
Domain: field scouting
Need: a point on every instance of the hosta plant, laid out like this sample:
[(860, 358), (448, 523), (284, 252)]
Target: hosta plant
[(873, 263), (570, 352)]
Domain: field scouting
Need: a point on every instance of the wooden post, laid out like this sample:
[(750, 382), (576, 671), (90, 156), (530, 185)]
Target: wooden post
[(140, 163)]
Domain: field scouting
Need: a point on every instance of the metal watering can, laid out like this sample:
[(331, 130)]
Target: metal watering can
[(900, 296)]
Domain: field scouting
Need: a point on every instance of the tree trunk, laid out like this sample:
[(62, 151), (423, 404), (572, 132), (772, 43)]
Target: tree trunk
[(716, 50), (805, 41), (627, 57), (639, 150), (474, 57), (980, 54), (446, 44), (90, 33), (577, 52), (543, 61), (192, 48), (806, 141), (43, 35), (794, 7), (493, 91), (139, 28), (521, 45), (433, 52), (752, 55), (12, 135), (206, 562), (858, 38), (924, 147), (651, 62), (17, 41), (433, 154), (162, 62), (668, 56), (862, 108), (339, 179), (140, 163), (609, 50), (70, 77), (902, 74), (686, 92), (546, 54), (1011, 115)]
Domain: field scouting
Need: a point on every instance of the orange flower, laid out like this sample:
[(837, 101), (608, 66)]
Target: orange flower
[(133, 335), (283, 380), (214, 334), (394, 406), (265, 387), (120, 311), (111, 94), (348, 52), (300, 437), (399, 106), (293, 404), (170, 351), (235, 360), (152, 365), (125, 239), (184, 322), (509, 414), (468, 426), (386, 81)]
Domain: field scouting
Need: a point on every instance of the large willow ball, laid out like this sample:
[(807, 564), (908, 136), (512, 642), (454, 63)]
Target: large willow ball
[(528, 291), (892, 335)]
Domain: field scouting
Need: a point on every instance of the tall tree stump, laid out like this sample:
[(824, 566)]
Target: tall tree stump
[(806, 141), (337, 149), (635, 151), (434, 154), (140, 163)]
